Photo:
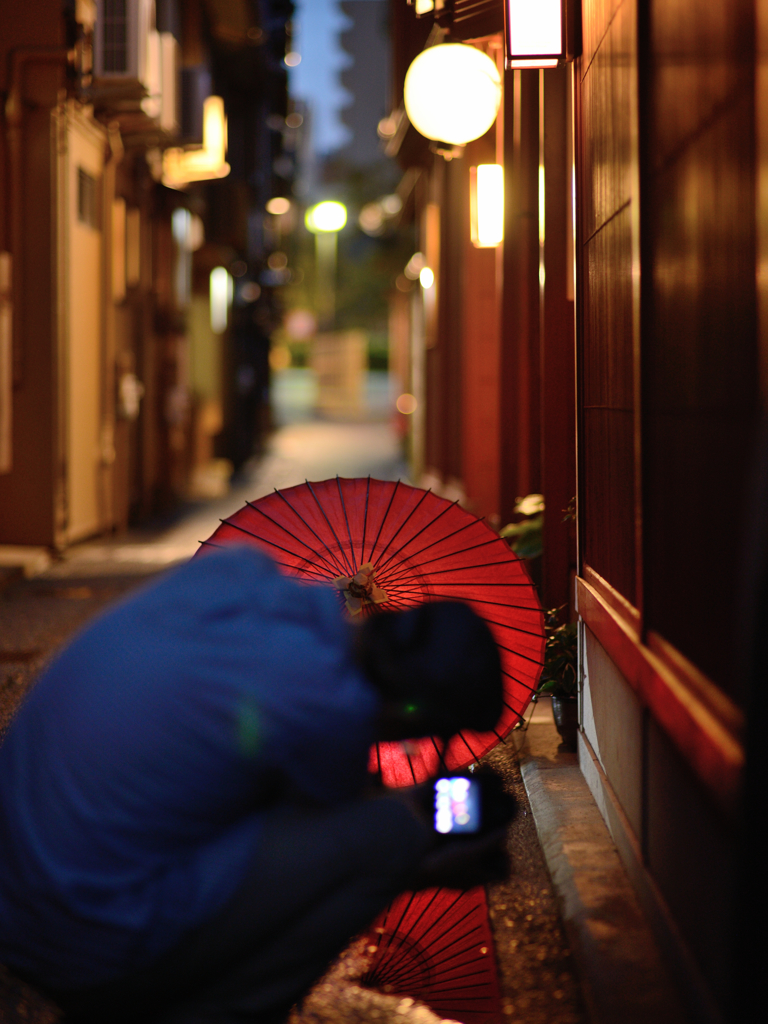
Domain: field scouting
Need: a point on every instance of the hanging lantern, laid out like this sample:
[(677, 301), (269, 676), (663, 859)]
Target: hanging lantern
[(452, 93), (538, 35)]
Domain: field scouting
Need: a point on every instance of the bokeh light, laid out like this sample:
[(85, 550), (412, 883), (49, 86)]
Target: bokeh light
[(278, 206), (326, 216), (426, 277)]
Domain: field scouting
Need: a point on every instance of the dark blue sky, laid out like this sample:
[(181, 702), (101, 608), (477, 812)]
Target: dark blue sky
[(317, 24)]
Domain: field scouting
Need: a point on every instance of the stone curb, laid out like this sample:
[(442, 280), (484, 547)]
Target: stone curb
[(623, 975)]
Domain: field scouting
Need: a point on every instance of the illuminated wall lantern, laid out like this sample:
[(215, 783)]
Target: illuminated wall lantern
[(486, 205), (452, 93), (221, 294), (426, 277), (181, 166), (540, 34)]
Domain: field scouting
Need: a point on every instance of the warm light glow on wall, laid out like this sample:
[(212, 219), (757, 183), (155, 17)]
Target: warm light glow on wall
[(181, 166), (486, 202), (327, 216), (535, 35), (452, 93), (221, 293)]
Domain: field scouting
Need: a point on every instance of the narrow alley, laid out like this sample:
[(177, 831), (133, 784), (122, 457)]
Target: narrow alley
[(511, 254)]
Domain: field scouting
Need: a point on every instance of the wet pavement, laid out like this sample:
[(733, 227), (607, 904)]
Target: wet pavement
[(538, 978)]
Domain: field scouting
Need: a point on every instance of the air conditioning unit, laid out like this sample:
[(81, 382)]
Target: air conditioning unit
[(170, 94), (135, 66), (122, 48), (161, 102)]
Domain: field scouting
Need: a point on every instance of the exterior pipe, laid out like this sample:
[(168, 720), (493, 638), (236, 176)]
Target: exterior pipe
[(19, 59)]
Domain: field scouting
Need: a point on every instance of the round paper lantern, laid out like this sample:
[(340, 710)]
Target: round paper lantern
[(452, 93)]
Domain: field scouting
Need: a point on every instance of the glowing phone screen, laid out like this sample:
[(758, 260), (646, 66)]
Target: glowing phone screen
[(457, 805)]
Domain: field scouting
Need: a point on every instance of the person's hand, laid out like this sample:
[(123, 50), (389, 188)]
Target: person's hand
[(464, 862)]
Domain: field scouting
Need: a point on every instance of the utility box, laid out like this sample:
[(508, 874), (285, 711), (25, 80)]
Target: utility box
[(339, 360)]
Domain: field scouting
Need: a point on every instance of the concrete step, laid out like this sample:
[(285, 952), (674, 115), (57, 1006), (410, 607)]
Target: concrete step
[(623, 974)]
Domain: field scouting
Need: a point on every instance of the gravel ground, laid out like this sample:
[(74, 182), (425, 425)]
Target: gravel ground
[(537, 973)]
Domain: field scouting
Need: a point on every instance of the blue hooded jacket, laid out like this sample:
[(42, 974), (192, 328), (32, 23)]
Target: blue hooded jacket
[(133, 779)]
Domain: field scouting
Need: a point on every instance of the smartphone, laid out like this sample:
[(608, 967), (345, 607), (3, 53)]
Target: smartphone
[(457, 805)]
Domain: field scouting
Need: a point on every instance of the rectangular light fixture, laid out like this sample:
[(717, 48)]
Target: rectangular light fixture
[(538, 35), (486, 205), (181, 166)]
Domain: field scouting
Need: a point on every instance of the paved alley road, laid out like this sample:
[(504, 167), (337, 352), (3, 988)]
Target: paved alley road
[(37, 615), (303, 447)]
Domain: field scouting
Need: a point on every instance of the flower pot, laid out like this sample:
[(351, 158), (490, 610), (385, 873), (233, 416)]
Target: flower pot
[(565, 711)]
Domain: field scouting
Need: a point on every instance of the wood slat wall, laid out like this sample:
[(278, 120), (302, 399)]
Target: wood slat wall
[(669, 401), (521, 350), (473, 19), (608, 228), (700, 368)]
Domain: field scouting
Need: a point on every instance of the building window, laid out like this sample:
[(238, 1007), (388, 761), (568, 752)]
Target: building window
[(115, 36), (87, 199)]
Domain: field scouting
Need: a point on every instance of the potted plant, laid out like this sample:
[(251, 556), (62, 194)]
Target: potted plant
[(559, 677), (525, 537)]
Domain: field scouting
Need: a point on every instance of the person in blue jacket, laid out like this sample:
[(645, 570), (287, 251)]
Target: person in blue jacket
[(186, 832)]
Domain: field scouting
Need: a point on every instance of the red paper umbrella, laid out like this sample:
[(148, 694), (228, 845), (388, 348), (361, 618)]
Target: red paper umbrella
[(436, 945), (388, 545)]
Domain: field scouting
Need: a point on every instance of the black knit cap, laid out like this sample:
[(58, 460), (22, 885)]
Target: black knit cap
[(442, 657)]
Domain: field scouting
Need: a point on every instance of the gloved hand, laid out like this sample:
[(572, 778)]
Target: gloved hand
[(475, 858), (464, 863)]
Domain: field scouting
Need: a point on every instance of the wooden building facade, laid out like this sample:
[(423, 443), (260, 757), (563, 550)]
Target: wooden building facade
[(613, 347), (117, 397)]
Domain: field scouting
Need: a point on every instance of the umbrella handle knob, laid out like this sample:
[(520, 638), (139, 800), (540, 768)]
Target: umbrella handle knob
[(361, 589)]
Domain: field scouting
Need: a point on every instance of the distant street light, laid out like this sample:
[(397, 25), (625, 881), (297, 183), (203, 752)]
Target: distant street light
[(325, 220), (326, 216)]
